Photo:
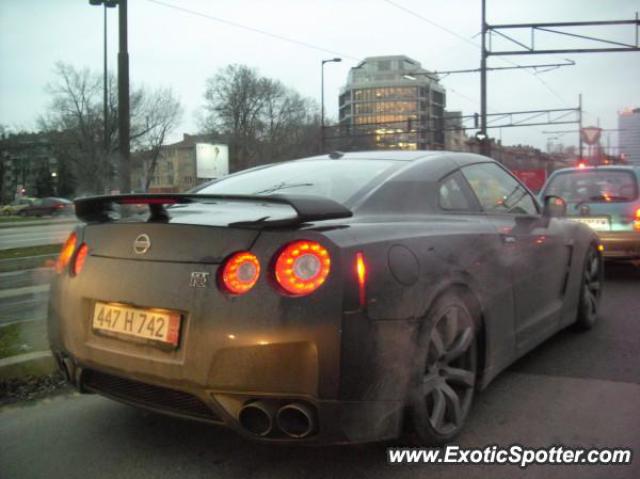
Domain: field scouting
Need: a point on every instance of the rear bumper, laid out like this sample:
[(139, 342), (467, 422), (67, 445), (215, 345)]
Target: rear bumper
[(352, 374), (337, 422), (620, 244)]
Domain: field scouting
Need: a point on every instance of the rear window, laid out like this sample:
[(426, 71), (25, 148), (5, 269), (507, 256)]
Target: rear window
[(594, 186), (338, 180)]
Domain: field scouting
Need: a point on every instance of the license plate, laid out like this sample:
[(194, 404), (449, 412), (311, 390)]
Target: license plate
[(596, 224), (157, 325)]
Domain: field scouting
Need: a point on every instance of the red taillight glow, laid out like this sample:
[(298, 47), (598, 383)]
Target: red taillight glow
[(147, 201), (636, 223), (361, 272), (81, 256), (66, 253), (302, 267), (240, 272)]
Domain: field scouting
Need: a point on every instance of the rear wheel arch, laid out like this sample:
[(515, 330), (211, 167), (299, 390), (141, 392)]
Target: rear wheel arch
[(474, 305), (435, 425)]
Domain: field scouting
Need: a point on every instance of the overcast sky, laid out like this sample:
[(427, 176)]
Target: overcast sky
[(169, 47)]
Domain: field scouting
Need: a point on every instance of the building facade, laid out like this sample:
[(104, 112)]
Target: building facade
[(455, 138), (28, 166), (176, 167), (390, 102), (629, 135)]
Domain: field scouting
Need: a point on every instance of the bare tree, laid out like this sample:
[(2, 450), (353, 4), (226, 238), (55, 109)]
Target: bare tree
[(162, 114), (75, 118), (260, 118), (74, 114)]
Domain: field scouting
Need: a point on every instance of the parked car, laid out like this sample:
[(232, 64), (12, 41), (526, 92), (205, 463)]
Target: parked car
[(337, 299), (48, 206), (16, 205), (606, 198)]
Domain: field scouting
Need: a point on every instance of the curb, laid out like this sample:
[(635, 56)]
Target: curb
[(40, 363)]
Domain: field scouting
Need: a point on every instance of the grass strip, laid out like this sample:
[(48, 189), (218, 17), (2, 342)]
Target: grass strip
[(30, 251), (23, 337)]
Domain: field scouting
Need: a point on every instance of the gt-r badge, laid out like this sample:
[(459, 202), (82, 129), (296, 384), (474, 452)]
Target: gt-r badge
[(199, 279), (141, 244)]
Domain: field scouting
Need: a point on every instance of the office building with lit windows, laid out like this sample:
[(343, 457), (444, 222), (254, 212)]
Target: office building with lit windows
[(392, 102), (629, 135)]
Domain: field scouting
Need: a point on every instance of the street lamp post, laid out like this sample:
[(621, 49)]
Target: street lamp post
[(123, 90), (331, 60)]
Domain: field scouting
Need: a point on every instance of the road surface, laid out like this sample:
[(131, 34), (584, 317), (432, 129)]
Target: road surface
[(35, 235), (578, 389)]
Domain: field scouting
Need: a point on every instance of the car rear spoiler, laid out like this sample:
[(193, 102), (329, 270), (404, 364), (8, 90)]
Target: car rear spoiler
[(100, 209)]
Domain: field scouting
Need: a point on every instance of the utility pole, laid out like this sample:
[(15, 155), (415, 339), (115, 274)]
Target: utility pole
[(106, 96), (123, 100), (331, 60), (484, 146), (580, 147), (529, 48), (105, 103)]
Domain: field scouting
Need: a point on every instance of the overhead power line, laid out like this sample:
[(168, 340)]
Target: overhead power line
[(274, 35), (253, 29), (471, 42)]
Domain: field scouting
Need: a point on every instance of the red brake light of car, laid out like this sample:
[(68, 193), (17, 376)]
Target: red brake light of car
[(636, 223), (147, 201), (361, 272), (81, 256), (66, 253), (240, 273), (302, 267)]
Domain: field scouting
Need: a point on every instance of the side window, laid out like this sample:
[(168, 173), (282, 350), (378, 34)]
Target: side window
[(497, 191), (452, 195)]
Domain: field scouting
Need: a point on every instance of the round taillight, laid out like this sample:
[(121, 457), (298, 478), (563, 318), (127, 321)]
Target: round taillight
[(81, 256), (302, 267), (66, 253), (240, 272)]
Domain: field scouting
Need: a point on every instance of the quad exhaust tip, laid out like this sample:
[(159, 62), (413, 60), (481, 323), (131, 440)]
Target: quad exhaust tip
[(296, 420), (257, 417)]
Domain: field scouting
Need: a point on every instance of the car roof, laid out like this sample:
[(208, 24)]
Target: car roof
[(400, 155), (632, 168)]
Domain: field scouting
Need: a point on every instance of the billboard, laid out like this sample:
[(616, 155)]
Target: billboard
[(212, 161)]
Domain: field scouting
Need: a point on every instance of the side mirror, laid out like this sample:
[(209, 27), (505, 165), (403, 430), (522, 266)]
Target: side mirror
[(554, 207)]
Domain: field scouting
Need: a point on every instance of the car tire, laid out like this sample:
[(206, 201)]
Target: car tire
[(591, 282), (445, 374)]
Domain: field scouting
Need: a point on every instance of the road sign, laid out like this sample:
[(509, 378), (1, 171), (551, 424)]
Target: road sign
[(591, 134)]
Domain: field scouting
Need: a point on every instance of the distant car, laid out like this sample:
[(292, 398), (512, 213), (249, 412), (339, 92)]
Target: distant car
[(335, 299), (16, 205), (48, 206), (606, 198)]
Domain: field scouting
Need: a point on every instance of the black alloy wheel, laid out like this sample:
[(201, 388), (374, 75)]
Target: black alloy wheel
[(444, 393), (591, 289)]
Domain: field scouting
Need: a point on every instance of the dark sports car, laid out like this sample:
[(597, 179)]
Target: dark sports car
[(343, 298)]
